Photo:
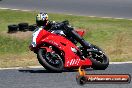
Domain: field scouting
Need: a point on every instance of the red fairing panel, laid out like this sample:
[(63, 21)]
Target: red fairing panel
[(71, 59), (81, 33)]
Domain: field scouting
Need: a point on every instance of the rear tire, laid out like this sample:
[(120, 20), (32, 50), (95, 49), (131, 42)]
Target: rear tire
[(43, 60)]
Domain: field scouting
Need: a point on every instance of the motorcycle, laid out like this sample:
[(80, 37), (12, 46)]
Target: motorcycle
[(58, 49)]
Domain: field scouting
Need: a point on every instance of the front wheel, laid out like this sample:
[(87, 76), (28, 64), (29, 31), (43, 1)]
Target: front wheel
[(50, 60), (99, 60)]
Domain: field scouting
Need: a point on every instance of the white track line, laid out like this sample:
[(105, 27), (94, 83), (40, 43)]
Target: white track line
[(106, 17), (129, 62), (69, 14), (14, 9), (4, 8), (11, 68), (91, 16), (20, 67)]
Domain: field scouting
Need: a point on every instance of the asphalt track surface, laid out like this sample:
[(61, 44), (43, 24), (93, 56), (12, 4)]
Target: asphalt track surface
[(40, 78), (100, 8)]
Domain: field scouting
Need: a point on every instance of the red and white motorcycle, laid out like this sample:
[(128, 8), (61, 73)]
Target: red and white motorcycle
[(57, 49)]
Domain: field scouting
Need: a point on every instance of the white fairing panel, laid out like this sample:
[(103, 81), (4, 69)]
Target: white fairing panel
[(34, 36)]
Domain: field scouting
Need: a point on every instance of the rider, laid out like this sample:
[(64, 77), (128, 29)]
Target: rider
[(42, 22)]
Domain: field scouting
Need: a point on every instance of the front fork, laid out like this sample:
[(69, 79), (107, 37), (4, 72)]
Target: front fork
[(79, 39)]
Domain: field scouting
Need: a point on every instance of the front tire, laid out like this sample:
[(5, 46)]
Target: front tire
[(99, 59), (45, 59)]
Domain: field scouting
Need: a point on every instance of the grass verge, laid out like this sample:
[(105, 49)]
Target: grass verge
[(112, 35)]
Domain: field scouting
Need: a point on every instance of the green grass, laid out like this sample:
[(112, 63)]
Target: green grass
[(12, 45), (112, 35)]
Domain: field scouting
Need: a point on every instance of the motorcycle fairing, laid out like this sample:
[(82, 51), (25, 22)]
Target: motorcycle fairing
[(63, 44)]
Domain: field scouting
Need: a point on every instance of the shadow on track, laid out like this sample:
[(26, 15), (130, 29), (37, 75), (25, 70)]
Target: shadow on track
[(46, 71), (37, 71)]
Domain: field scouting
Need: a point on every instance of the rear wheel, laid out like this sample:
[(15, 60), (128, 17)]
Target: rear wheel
[(50, 60), (99, 60)]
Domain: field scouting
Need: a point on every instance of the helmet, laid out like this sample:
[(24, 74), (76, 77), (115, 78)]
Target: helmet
[(42, 19)]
